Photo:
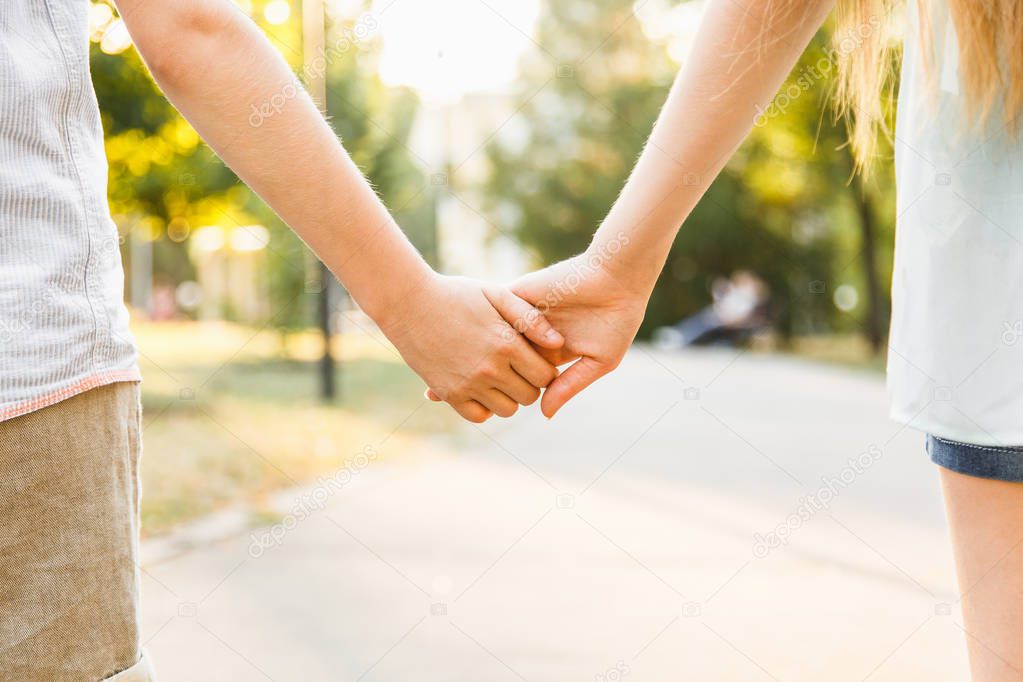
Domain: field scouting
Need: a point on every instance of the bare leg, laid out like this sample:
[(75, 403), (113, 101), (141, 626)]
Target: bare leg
[(985, 519)]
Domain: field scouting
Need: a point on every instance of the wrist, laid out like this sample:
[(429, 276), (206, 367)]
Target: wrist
[(392, 307), (621, 258)]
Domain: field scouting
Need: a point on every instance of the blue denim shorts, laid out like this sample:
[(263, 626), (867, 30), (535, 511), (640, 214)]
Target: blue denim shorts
[(983, 461)]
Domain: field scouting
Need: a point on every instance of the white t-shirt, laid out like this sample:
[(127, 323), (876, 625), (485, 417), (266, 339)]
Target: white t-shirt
[(955, 361)]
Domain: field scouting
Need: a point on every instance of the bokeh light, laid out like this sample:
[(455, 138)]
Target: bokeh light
[(277, 12)]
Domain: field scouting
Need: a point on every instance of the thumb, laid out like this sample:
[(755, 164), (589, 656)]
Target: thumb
[(430, 395), (524, 318), (569, 383)]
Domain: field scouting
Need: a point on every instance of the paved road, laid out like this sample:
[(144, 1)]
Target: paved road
[(615, 543)]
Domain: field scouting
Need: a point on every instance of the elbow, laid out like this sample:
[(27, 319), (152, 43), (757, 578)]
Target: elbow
[(174, 44)]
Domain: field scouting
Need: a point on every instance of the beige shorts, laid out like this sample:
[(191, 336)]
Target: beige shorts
[(69, 522)]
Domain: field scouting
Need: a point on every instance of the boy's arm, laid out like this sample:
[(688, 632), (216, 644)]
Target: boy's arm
[(216, 67)]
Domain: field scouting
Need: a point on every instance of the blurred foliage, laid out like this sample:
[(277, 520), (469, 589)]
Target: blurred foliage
[(786, 206), (164, 183)]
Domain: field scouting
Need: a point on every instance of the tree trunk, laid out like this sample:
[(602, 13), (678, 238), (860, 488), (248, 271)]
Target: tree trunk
[(874, 323)]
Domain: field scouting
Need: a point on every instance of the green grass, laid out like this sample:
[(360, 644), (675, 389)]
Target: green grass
[(848, 350), (230, 416)]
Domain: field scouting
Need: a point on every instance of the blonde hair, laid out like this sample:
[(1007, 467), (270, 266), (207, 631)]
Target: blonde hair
[(990, 38)]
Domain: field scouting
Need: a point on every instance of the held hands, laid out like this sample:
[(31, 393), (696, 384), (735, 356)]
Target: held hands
[(596, 311), (450, 332)]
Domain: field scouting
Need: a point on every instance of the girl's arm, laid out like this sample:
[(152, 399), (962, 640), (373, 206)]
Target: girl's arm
[(742, 54), (218, 69)]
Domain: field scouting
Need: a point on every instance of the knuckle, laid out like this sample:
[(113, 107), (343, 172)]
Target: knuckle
[(509, 345), (488, 371), (506, 411), (474, 413)]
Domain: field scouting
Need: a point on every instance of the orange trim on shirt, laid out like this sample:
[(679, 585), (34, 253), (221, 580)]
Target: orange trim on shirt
[(86, 384)]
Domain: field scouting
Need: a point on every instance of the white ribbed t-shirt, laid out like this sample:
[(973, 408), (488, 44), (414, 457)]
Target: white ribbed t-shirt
[(63, 323), (955, 362)]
